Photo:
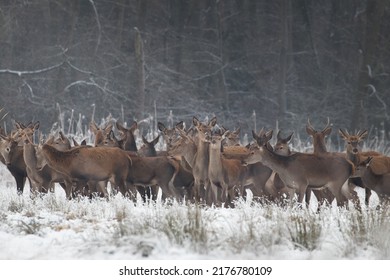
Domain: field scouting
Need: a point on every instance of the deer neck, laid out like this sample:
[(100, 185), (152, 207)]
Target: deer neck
[(354, 158), (201, 161), (319, 147), (215, 157), (203, 151), (189, 153), (29, 155), (276, 162), (55, 157), (368, 178)]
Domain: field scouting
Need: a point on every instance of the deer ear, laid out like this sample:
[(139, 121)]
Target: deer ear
[(195, 121), (368, 161), (75, 143), (119, 126), (213, 121), (108, 128), (224, 134), (62, 136), (180, 125), (343, 134), (134, 126), (278, 135), (93, 127), (269, 135), (363, 134), (289, 137), (254, 135), (36, 125), (161, 127)]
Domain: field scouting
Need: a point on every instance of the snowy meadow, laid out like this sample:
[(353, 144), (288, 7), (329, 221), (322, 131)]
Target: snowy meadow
[(52, 227)]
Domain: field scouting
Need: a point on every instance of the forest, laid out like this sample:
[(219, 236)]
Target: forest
[(250, 63)]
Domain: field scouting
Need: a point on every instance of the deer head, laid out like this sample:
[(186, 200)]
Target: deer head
[(353, 142)]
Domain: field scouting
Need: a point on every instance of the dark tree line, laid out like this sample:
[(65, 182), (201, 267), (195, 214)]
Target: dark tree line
[(285, 60)]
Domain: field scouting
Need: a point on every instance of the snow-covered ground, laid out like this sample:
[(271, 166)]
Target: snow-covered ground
[(54, 228)]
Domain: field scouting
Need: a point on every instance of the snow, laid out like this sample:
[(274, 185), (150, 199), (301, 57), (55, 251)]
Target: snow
[(53, 228)]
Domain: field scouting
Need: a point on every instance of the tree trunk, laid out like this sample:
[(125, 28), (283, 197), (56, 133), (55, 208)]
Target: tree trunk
[(374, 13), (283, 63), (140, 73)]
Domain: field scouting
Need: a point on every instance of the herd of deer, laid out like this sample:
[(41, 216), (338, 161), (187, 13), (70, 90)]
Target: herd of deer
[(204, 164)]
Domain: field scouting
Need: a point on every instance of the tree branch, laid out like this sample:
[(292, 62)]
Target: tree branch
[(20, 73), (98, 24)]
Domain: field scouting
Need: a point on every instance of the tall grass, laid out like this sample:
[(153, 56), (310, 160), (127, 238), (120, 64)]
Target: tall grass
[(250, 230)]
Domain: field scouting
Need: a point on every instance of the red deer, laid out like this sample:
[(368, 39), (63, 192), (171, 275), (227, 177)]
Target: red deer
[(282, 144), (100, 133), (258, 174), (61, 143), (183, 181), (232, 138), (148, 149), (170, 135), (104, 137), (201, 160), (11, 154), (127, 141), (41, 180), (84, 164), (324, 196), (376, 176), (149, 171), (300, 170), (159, 171), (224, 174), (354, 152), (274, 186), (282, 148)]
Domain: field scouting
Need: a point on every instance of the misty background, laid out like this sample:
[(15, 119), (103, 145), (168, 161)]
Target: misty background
[(251, 63)]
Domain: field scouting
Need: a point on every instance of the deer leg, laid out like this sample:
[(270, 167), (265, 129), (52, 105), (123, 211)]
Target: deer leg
[(129, 190), (213, 194), (308, 197), (68, 189), (20, 181), (231, 195), (154, 192), (301, 194), (367, 197)]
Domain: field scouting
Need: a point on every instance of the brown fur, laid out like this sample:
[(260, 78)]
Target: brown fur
[(224, 174), (87, 164), (301, 170), (148, 171), (170, 135), (127, 142), (12, 156), (378, 183), (379, 165), (201, 160)]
